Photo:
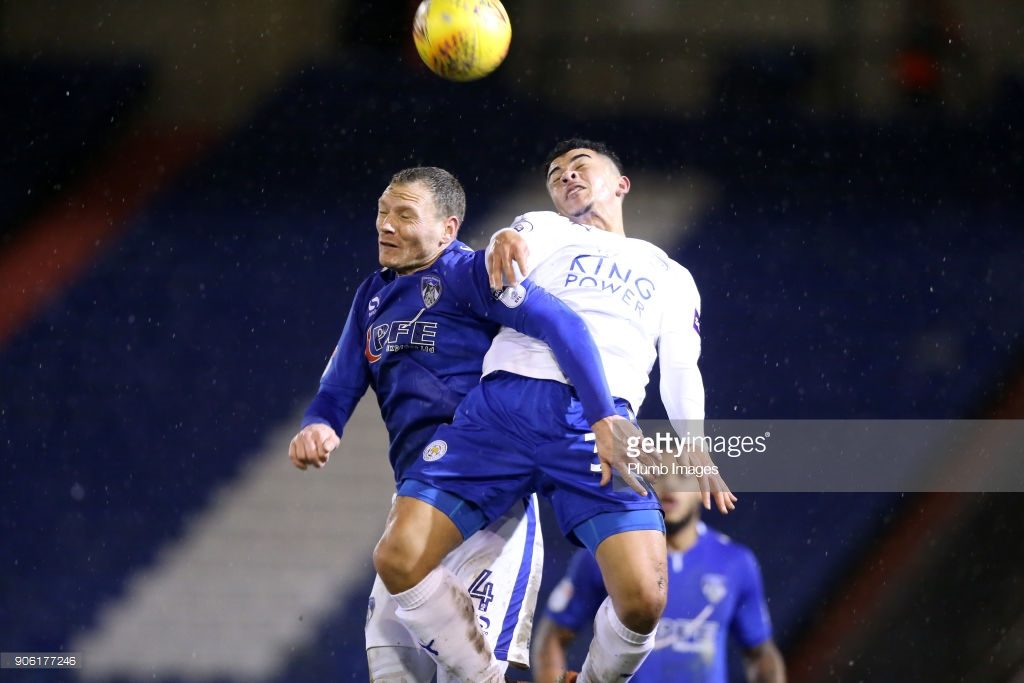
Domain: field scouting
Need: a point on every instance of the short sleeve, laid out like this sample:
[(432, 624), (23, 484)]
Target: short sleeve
[(751, 624)]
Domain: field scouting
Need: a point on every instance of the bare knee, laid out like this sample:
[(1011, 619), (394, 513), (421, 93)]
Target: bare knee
[(416, 539), (640, 610), (397, 564), (633, 564)]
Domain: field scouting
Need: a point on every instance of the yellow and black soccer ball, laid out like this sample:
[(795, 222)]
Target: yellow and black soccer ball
[(462, 40)]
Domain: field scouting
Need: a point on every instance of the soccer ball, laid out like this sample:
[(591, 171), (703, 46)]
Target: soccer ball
[(462, 40)]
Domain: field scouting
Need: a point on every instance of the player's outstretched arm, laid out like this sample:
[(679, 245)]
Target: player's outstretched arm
[(763, 664), (312, 446), (549, 647), (342, 384), (682, 387), (751, 626)]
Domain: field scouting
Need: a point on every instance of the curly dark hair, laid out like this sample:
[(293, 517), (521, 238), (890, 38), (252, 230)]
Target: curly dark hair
[(578, 143)]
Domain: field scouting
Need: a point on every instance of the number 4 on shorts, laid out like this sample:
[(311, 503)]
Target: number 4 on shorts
[(482, 590)]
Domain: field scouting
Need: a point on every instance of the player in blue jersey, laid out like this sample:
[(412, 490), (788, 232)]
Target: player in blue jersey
[(714, 591), (522, 430), (417, 332)]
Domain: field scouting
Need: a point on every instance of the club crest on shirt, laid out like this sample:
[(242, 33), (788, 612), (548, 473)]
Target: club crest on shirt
[(374, 303), (430, 289), (713, 587), (435, 450)]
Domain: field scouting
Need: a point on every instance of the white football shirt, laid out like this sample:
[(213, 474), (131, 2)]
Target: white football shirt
[(637, 302)]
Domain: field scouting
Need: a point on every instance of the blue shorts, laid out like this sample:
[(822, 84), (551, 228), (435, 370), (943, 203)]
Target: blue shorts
[(514, 435)]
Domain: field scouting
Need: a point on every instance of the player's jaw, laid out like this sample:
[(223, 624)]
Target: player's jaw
[(573, 200), (389, 253), (405, 256), (679, 506)]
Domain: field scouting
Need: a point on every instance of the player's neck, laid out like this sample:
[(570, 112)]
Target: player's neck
[(685, 538), (610, 221)]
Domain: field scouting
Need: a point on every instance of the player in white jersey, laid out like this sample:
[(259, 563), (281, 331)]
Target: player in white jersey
[(607, 277), (634, 299)]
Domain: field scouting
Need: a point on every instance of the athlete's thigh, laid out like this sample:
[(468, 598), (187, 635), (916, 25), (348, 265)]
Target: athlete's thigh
[(501, 568), (632, 562), (420, 530)]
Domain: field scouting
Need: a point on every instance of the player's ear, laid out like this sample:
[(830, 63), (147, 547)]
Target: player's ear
[(451, 229), (622, 188)]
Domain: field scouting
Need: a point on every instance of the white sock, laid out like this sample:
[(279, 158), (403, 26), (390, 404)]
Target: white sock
[(439, 613), (615, 652), (398, 664)]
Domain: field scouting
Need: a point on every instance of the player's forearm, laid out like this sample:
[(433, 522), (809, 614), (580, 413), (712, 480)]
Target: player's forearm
[(682, 386), (548, 653), (682, 392), (549, 667), (332, 406)]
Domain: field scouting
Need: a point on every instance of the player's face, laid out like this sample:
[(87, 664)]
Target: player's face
[(581, 180), (411, 232), (678, 505)]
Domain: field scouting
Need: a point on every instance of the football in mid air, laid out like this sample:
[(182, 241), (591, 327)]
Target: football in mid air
[(462, 40)]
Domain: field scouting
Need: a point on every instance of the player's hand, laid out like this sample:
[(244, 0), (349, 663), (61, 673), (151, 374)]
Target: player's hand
[(508, 247), (710, 482), (614, 435), (312, 446)]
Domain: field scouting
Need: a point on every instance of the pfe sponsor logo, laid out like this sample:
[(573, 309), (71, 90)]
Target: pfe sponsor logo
[(400, 335)]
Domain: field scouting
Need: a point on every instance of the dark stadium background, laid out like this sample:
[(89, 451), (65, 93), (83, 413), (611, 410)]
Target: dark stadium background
[(185, 209)]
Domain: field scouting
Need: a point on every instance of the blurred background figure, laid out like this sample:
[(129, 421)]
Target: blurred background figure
[(715, 592), (183, 194)]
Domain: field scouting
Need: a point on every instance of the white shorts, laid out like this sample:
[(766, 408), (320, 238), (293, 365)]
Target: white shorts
[(500, 565)]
